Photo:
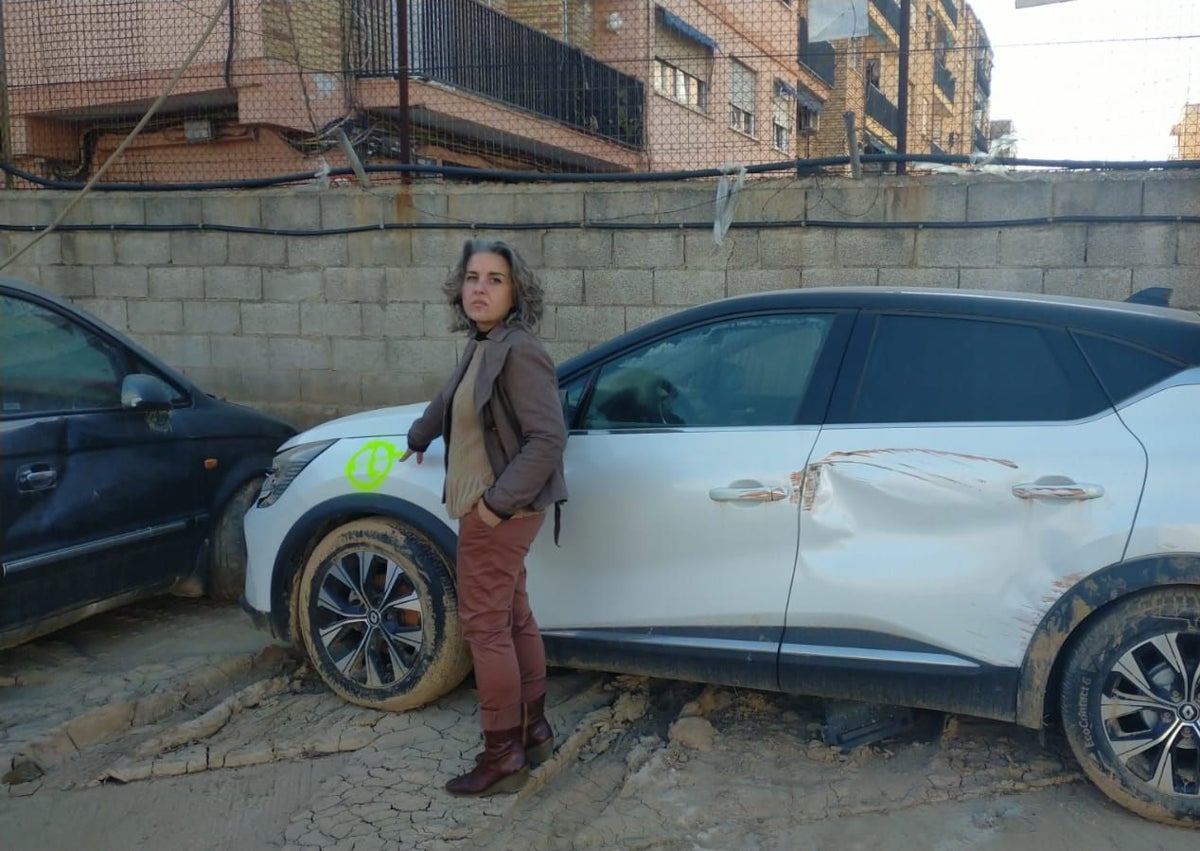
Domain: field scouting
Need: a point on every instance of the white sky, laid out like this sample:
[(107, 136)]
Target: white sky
[(1113, 95)]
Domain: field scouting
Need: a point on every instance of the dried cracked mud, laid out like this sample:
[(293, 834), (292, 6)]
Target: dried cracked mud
[(172, 724)]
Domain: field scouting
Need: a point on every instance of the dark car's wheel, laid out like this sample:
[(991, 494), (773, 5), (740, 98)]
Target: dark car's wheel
[(1131, 704), (227, 558), (378, 613)]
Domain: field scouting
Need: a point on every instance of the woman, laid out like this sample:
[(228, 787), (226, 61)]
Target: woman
[(503, 425)]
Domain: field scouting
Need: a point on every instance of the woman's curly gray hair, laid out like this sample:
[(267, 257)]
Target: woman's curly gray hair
[(527, 289)]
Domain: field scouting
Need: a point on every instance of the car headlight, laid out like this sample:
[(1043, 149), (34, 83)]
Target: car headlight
[(286, 466)]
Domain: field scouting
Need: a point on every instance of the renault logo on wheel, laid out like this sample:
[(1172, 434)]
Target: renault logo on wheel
[(1189, 712)]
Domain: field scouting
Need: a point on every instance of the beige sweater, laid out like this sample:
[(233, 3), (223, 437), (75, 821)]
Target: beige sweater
[(469, 473)]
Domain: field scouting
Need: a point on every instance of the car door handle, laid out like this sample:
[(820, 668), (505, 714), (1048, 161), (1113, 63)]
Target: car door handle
[(1057, 487), (36, 477), (748, 493)]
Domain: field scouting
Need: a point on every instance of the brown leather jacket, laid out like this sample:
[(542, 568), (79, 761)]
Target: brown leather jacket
[(516, 397)]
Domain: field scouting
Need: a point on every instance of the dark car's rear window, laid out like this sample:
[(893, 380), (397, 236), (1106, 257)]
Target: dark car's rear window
[(1125, 369)]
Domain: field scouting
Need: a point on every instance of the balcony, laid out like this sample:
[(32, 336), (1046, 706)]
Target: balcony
[(471, 47), (983, 77), (944, 79), (883, 110), (890, 10), (980, 141), (951, 11), (818, 57)]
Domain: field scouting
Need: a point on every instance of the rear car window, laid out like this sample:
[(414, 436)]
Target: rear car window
[(1125, 369), (936, 369)]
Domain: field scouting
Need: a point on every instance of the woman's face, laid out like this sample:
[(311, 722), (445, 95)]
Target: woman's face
[(487, 289)]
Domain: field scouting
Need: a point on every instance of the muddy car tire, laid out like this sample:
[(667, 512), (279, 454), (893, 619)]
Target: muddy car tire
[(1130, 706), (227, 558), (377, 611)]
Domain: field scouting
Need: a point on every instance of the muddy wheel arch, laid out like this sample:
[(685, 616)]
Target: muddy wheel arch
[(1044, 654)]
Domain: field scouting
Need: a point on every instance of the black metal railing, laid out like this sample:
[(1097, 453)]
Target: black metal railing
[(980, 141), (890, 10), (951, 10), (983, 77), (883, 110), (818, 57), (465, 44), (944, 79)]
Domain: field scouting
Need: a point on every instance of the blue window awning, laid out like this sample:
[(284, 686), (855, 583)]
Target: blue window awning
[(676, 23), (784, 88), (809, 101)]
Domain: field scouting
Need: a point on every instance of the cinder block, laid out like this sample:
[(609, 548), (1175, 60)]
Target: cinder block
[(33, 248), (562, 286), (108, 310), (577, 249), (1176, 194), (302, 353), (618, 205), (199, 248), (380, 248), (183, 282), (415, 284), (121, 281), (1009, 199), (921, 276), (175, 208), (419, 202), (1106, 195), (331, 320), (293, 284), (1189, 245), (33, 274), (794, 248), (212, 317), (58, 202), (437, 248), (588, 324), (438, 319), (394, 319), (861, 202), (238, 352), (648, 249), (743, 281), (292, 212), (1183, 281), (1121, 245), (547, 204), (528, 244), (738, 250), (1006, 280), (836, 276), (222, 382), (618, 286), (143, 249), (252, 249), (272, 385), (238, 209), (321, 251), (636, 317), (398, 388), (785, 202), (116, 208), (357, 356), (353, 284), (1046, 246), (243, 283), (876, 247), (69, 281), (1091, 282), (350, 209), (87, 249), (156, 317), (270, 317), (481, 206), (181, 351), (560, 352), (437, 357), (688, 286), (687, 204), (330, 387), (937, 247), (926, 200)]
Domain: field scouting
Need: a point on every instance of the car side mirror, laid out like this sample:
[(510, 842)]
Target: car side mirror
[(145, 393)]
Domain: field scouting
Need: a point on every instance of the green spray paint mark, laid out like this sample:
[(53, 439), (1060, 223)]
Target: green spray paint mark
[(369, 466)]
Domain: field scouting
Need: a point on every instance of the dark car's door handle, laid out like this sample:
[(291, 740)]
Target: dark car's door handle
[(1060, 488), (36, 477), (754, 493)]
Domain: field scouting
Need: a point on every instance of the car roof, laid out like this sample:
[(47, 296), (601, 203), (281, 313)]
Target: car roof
[(1170, 331)]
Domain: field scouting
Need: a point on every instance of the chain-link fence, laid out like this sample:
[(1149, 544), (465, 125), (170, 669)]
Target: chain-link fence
[(302, 87)]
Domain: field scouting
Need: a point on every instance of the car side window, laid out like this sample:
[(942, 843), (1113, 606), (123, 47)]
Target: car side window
[(50, 363), (750, 371), (933, 369), (1123, 368)]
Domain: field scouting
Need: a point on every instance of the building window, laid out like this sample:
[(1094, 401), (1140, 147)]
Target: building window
[(808, 121), (742, 82), (783, 111), (683, 58), (679, 85)]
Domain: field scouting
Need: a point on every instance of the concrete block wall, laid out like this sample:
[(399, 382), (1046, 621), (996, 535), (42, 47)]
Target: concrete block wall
[(264, 298)]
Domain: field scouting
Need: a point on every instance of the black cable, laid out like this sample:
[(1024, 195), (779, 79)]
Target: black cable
[(229, 48)]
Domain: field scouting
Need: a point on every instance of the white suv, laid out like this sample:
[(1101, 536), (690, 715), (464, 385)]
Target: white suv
[(973, 502)]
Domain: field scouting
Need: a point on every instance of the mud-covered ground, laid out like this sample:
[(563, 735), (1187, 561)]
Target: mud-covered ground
[(173, 724)]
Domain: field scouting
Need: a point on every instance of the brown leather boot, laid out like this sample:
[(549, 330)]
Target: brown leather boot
[(500, 768), (539, 738)]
